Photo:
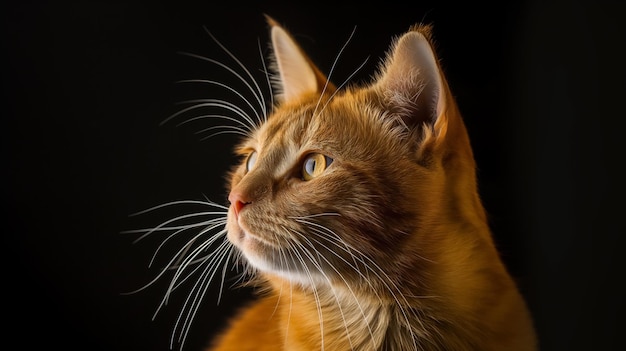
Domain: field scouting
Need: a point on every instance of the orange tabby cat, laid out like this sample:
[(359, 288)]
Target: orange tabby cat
[(358, 210)]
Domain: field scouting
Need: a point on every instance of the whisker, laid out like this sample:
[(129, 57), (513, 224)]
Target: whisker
[(235, 132), (343, 84), (202, 103), (168, 266), (321, 271), (156, 252), (378, 272), (207, 81), (191, 259), (315, 215), (215, 116), (267, 79), (346, 248), (259, 93), (214, 237), (347, 285), (175, 203), (200, 288), (224, 269), (318, 303), (332, 68), (322, 230), (164, 226), (226, 128), (386, 281)]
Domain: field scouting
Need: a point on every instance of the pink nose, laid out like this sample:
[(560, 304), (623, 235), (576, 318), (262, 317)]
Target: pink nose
[(238, 201)]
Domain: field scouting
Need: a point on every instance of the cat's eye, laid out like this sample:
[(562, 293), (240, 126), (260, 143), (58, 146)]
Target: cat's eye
[(250, 161), (314, 165)]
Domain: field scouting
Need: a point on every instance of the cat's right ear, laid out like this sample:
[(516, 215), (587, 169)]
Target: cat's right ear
[(296, 75)]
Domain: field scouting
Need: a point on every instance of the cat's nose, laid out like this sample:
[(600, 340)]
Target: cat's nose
[(237, 201)]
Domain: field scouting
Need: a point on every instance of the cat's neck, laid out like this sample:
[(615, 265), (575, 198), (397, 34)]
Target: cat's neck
[(338, 318), (342, 318)]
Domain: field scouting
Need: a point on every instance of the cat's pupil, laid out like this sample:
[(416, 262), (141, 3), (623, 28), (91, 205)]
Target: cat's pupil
[(314, 165), (251, 160), (310, 166)]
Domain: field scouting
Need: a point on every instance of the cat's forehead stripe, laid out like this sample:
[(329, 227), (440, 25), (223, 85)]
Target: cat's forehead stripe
[(272, 129), (287, 127)]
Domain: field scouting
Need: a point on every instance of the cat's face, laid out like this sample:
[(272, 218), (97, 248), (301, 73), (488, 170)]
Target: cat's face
[(328, 191), (346, 185)]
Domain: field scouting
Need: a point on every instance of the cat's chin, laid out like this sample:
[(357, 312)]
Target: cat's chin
[(254, 248), (246, 242), (260, 253)]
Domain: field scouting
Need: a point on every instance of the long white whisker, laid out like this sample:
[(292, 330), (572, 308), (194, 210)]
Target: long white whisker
[(284, 265), (175, 257), (332, 68), (318, 302), (344, 247), (317, 265), (316, 215), (329, 234), (183, 202), (211, 239), (222, 254), (347, 285), (342, 85), (267, 79), (386, 281), (185, 248), (258, 93), (217, 103), (223, 132), (211, 116), (208, 81), (378, 272), (224, 269), (164, 226), (233, 130), (191, 259)]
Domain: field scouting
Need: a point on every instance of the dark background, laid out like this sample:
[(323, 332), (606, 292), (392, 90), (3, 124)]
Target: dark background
[(85, 85)]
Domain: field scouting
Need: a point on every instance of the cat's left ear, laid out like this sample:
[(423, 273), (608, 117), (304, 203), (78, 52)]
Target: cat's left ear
[(296, 75), (412, 85)]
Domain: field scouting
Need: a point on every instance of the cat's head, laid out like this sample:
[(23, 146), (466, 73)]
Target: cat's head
[(340, 185)]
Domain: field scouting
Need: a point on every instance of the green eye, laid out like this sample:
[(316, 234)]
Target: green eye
[(250, 161), (314, 165)]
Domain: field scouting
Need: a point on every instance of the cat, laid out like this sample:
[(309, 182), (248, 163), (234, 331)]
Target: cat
[(356, 211)]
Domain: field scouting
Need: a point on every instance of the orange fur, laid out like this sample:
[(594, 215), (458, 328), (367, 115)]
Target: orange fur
[(389, 248)]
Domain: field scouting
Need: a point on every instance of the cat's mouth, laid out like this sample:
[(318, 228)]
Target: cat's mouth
[(255, 248), (243, 237), (271, 256)]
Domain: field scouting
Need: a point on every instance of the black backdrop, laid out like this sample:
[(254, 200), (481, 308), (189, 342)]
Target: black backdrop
[(86, 83)]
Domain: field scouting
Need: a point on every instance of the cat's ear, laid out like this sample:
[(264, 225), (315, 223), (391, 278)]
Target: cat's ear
[(296, 75), (412, 85)]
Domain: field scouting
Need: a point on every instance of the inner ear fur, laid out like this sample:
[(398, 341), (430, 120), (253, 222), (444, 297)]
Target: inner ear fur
[(411, 86)]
